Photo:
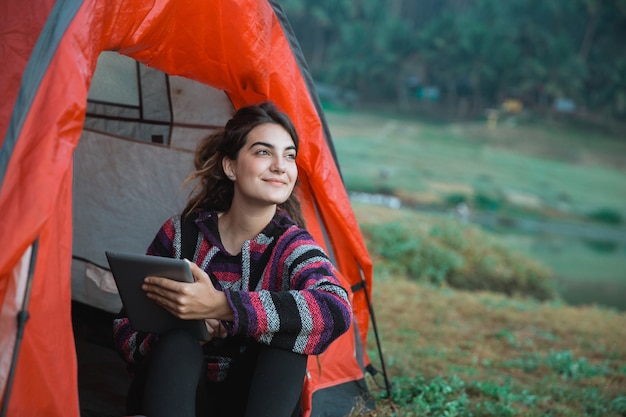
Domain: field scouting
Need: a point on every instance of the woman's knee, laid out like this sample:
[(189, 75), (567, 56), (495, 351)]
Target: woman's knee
[(179, 342), (282, 362), (278, 374)]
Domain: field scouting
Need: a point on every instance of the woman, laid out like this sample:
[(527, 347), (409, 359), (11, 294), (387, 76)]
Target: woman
[(266, 290)]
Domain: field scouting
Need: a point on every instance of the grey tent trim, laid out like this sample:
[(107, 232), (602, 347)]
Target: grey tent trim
[(60, 17)]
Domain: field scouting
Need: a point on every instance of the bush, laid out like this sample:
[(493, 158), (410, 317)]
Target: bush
[(455, 199), (462, 256), (606, 215), (488, 201), (421, 258)]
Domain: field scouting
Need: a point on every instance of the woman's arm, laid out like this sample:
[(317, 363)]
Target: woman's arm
[(305, 317)]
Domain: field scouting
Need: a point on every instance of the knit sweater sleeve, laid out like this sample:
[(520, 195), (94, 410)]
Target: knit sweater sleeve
[(132, 345), (307, 313)]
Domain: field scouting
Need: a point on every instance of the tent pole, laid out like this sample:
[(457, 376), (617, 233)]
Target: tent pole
[(22, 318), (375, 328)]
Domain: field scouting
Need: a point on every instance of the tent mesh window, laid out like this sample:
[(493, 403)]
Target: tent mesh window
[(129, 99)]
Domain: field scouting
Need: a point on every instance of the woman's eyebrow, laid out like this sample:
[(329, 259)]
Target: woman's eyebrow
[(269, 145)]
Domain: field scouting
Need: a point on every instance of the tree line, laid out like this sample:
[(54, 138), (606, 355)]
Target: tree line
[(542, 53)]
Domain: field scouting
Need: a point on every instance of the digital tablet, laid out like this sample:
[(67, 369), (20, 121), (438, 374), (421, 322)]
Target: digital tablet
[(129, 271)]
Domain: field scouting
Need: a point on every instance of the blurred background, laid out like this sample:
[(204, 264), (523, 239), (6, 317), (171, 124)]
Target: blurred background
[(483, 144), (507, 115)]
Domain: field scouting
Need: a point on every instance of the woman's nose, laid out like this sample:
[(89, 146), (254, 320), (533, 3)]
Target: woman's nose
[(278, 164)]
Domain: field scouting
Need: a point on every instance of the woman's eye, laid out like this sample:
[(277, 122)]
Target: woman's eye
[(262, 152), (291, 156)]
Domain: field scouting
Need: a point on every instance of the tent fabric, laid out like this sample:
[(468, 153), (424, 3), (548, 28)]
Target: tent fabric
[(49, 51)]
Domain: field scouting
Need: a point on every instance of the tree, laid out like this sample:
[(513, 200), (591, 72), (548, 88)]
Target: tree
[(535, 50)]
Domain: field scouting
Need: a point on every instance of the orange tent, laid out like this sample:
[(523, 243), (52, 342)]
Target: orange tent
[(48, 52)]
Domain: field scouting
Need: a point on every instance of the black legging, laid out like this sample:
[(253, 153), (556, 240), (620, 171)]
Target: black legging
[(171, 382)]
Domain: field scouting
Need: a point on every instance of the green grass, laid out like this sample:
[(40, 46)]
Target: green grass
[(559, 169), (539, 171), (451, 352), (457, 353), (466, 354), (440, 249), (594, 260)]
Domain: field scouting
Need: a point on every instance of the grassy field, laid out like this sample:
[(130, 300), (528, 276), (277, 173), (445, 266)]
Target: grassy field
[(450, 352), (534, 170), (458, 353), (544, 167)]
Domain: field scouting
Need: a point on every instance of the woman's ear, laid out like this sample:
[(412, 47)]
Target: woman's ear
[(228, 167)]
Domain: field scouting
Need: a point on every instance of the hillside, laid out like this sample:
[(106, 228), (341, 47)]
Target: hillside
[(553, 190), (460, 353), (453, 352)]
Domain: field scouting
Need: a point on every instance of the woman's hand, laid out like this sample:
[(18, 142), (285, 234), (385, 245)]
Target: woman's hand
[(189, 301), (215, 328)]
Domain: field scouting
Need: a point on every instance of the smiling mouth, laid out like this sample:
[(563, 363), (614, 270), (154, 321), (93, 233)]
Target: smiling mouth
[(276, 181)]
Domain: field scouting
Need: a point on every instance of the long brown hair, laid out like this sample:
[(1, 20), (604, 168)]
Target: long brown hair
[(213, 190)]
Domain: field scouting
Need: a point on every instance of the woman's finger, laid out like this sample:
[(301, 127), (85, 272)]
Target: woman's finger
[(215, 327), (155, 284), (174, 298), (164, 302)]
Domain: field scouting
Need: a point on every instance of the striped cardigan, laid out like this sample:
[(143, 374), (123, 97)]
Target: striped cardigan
[(297, 303)]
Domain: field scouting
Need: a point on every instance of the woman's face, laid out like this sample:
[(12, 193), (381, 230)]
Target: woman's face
[(265, 170)]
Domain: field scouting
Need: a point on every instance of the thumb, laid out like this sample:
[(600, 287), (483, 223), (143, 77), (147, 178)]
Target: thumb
[(197, 272)]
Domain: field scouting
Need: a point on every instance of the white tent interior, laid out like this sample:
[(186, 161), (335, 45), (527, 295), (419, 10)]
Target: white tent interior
[(157, 121)]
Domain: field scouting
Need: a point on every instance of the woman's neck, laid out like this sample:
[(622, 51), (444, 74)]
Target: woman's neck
[(236, 226)]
